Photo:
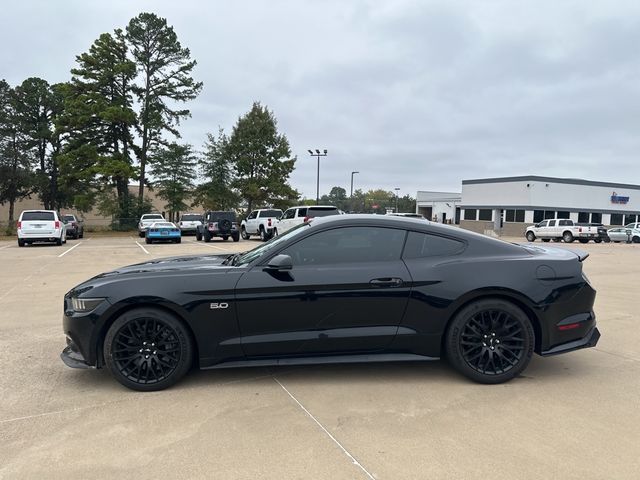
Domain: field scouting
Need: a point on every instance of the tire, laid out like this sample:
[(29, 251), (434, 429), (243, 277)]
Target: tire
[(263, 235), (141, 234), (531, 237), (59, 240), (198, 236), (245, 235), (556, 240), (206, 236), (147, 241), (546, 240), (477, 336), (178, 240), (236, 237), (225, 238), (583, 240), (635, 240), (597, 240), (567, 237), (275, 233), (20, 242), (134, 359)]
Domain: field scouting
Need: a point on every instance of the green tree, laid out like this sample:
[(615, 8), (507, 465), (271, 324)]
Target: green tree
[(37, 108), (216, 192), (97, 121), (164, 79), (261, 159), (16, 178), (337, 197), (173, 168)]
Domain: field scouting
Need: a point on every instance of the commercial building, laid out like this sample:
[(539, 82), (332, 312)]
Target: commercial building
[(443, 207), (507, 205)]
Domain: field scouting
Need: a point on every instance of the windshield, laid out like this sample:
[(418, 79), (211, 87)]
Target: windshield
[(257, 252), (27, 216), (270, 213)]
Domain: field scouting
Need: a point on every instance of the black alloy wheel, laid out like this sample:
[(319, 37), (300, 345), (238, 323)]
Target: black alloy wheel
[(148, 349), (490, 341)]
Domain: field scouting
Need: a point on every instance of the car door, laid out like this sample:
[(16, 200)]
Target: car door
[(346, 293), (286, 222), (540, 229), (251, 223)]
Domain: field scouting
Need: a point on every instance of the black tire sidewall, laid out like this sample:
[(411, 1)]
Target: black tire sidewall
[(454, 331), (186, 345)]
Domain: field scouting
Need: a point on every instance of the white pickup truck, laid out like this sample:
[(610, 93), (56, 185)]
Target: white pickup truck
[(260, 222), (561, 229)]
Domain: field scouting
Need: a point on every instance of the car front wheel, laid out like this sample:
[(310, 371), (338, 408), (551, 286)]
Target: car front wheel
[(531, 237), (567, 237), (147, 349), (245, 235), (490, 341)]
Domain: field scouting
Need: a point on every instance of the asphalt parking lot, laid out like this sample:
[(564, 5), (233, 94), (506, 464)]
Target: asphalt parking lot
[(573, 416)]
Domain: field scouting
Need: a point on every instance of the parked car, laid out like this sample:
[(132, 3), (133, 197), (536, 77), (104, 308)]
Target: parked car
[(602, 231), (561, 229), (296, 215), (189, 223), (75, 227), (218, 224), (41, 226), (260, 222), (146, 220), (163, 232), (633, 225), (342, 289), (624, 234)]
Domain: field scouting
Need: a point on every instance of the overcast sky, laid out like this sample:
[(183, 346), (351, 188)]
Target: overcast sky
[(412, 94)]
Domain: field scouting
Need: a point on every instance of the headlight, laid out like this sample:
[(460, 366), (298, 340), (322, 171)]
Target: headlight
[(84, 305)]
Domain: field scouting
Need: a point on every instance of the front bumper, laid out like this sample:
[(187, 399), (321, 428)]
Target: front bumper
[(72, 357), (589, 340)]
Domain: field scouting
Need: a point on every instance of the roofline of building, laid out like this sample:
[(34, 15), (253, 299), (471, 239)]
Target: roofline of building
[(535, 178), (539, 207)]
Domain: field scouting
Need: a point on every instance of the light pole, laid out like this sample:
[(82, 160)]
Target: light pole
[(352, 174), (318, 154), (397, 189)]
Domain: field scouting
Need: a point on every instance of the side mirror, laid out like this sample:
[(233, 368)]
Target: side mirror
[(280, 263)]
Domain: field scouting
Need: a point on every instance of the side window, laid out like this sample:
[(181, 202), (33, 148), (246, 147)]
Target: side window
[(348, 245), (289, 213), (302, 212), (543, 224), (420, 245), (253, 215), (552, 223)]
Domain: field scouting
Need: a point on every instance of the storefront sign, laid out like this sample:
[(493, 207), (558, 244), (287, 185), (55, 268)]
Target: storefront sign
[(615, 198)]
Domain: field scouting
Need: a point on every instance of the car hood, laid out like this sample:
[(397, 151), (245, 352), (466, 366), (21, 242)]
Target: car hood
[(186, 262)]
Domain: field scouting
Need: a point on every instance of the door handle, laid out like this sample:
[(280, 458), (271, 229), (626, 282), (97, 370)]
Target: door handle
[(386, 282)]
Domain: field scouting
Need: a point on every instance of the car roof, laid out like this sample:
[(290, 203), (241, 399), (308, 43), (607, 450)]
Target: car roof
[(314, 206)]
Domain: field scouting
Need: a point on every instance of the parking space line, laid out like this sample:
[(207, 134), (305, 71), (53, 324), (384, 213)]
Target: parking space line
[(344, 450), (6, 246), (143, 249), (210, 246), (67, 251)]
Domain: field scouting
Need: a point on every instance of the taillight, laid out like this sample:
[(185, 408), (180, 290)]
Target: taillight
[(57, 224), (269, 222), (19, 225), (580, 229)]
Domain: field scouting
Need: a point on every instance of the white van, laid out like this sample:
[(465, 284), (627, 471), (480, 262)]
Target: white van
[(41, 226)]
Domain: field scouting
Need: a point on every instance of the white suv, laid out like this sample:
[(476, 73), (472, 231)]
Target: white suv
[(189, 222), (146, 220), (297, 215), (41, 226)]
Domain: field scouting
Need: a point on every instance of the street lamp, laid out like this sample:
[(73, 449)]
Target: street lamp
[(397, 189), (318, 154), (352, 174)]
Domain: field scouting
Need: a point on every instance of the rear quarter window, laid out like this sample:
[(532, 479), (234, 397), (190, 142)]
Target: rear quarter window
[(421, 245)]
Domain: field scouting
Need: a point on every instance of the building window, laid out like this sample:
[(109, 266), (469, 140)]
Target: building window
[(629, 219), (549, 214), (470, 214), (484, 214), (583, 217), (514, 216), (538, 216), (596, 218), (520, 216), (616, 219), (563, 215)]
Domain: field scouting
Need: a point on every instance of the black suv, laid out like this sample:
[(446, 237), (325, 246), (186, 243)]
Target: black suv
[(218, 224)]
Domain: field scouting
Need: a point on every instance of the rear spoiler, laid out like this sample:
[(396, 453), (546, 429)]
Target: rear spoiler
[(582, 255)]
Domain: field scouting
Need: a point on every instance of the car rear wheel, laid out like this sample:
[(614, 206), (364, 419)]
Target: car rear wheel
[(59, 240), (635, 239), (206, 236), (583, 240), (198, 236), (225, 238), (531, 237), (490, 341), (147, 349), (263, 235), (178, 240), (20, 242), (567, 237), (147, 240), (236, 237), (598, 240), (245, 235)]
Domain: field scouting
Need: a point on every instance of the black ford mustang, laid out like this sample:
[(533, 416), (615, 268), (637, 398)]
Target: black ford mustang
[(349, 288)]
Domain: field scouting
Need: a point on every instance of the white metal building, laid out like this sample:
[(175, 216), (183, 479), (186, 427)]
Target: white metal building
[(511, 203), (443, 207)]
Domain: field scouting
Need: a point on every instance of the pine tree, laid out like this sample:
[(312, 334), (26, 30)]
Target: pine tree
[(215, 193), (173, 168)]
